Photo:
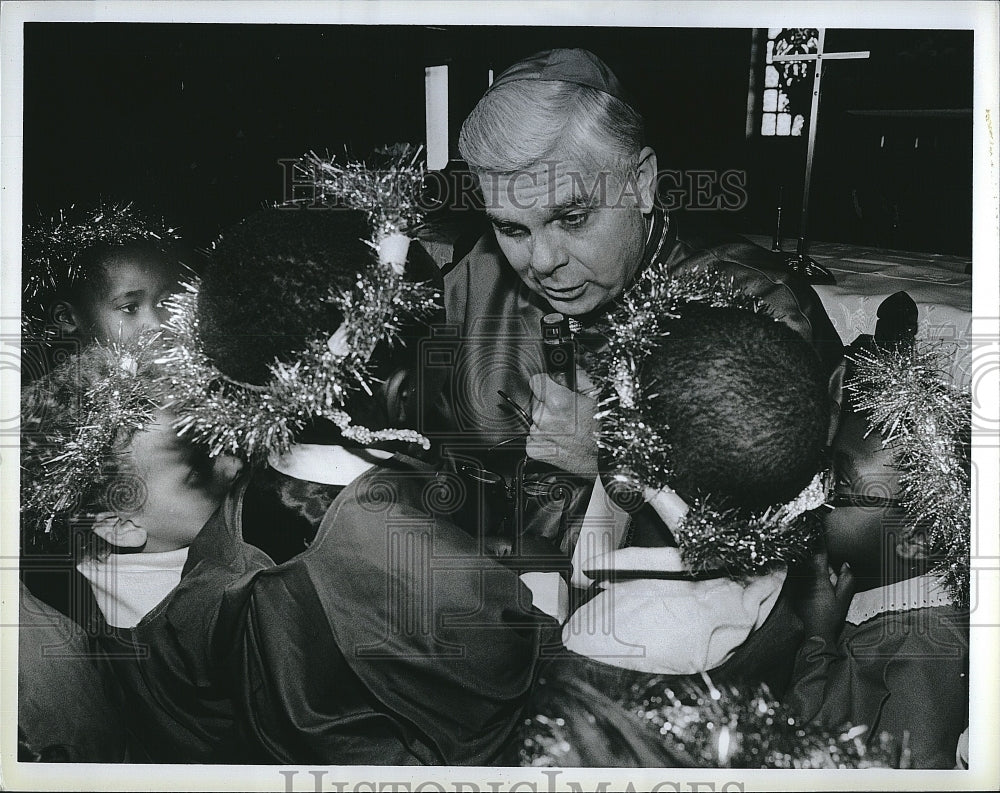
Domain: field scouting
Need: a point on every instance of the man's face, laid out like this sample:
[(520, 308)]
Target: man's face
[(574, 237)]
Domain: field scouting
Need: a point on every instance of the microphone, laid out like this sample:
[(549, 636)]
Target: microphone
[(558, 350)]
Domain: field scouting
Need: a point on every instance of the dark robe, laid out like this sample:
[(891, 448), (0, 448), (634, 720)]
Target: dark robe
[(391, 640), (69, 708), (900, 672)]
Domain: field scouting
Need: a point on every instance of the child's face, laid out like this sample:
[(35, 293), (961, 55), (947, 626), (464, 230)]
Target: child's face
[(182, 488), (867, 520), (135, 286)]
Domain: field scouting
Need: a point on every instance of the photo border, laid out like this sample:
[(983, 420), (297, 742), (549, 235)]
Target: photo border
[(984, 686)]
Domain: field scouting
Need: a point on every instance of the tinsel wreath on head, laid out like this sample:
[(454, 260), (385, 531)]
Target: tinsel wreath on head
[(255, 420), (388, 187), (73, 423), (926, 421), (710, 538), (642, 721), (52, 248)]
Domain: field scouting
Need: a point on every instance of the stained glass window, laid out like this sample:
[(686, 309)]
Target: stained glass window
[(787, 87)]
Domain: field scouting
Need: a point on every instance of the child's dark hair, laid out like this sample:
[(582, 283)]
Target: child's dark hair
[(264, 292), (90, 266), (746, 404)]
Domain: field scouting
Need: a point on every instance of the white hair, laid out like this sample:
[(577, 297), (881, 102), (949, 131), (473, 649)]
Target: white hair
[(525, 122)]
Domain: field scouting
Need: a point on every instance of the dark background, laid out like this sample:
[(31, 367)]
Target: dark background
[(192, 120)]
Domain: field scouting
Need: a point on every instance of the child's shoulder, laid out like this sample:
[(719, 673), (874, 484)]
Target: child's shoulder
[(401, 485), (911, 620)]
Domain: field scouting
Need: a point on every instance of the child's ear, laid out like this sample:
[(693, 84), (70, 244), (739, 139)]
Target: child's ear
[(67, 318), (398, 391), (120, 533)]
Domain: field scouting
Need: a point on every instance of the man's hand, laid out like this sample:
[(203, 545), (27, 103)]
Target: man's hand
[(563, 425), (821, 604)]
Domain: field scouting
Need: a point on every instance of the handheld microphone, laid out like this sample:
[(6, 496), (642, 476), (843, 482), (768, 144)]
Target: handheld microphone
[(558, 350)]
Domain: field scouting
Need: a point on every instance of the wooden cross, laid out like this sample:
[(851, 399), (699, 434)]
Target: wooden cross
[(800, 261)]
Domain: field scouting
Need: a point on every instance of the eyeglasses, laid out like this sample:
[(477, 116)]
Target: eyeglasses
[(506, 501)]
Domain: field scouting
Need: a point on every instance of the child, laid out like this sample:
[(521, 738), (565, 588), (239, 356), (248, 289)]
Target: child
[(95, 276), (389, 639), (722, 425), (100, 277), (728, 407), (89, 449), (894, 655)]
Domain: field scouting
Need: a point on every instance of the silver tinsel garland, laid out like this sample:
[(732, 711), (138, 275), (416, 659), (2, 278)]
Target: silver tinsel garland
[(926, 421), (389, 190), (75, 419), (639, 453), (253, 421), (714, 540), (709, 727)]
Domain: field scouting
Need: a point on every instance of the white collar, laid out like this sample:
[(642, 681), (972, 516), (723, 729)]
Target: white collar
[(919, 592), (326, 464), (127, 586), (602, 530)]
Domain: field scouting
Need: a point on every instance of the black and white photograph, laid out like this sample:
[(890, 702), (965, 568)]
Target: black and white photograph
[(513, 396)]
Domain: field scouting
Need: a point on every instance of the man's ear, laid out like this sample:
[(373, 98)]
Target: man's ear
[(398, 390), (67, 318), (646, 179), (120, 533)]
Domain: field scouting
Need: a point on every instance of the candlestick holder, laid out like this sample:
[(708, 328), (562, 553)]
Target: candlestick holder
[(800, 262)]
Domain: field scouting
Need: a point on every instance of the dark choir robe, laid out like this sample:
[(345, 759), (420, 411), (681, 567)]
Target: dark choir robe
[(391, 640), (900, 667), (69, 707)]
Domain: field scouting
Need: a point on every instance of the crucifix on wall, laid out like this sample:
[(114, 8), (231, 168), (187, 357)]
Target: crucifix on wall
[(800, 261)]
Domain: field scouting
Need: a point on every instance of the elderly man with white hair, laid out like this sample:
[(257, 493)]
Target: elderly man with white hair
[(570, 190)]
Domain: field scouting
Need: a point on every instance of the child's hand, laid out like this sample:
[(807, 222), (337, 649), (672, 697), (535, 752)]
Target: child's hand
[(821, 604)]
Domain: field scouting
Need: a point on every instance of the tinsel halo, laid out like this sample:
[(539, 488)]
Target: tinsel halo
[(253, 421), (74, 420), (389, 187), (51, 249), (655, 721), (639, 454), (740, 545), (639, 451), (905, 396)]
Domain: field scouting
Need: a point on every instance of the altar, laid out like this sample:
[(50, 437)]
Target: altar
[(940, 285)]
